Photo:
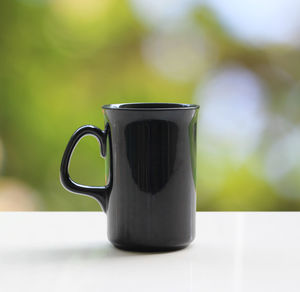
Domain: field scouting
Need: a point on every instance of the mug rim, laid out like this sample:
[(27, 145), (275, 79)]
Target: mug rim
[(150, 106)]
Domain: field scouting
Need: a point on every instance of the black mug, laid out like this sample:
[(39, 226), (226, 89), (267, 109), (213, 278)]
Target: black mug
[(150, 196)]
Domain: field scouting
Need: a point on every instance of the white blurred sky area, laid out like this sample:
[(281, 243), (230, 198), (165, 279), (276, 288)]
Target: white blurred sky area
[(233, 116), (254, 21), (234, 103)]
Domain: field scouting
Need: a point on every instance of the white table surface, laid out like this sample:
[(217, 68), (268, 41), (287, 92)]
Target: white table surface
[(44, 251)]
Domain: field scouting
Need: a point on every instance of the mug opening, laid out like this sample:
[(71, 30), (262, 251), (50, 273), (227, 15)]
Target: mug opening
[(150, 106)]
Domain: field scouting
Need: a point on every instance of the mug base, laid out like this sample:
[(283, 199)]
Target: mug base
[(139, 248)]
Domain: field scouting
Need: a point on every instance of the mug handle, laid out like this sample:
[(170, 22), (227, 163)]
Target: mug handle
[(101, 194)]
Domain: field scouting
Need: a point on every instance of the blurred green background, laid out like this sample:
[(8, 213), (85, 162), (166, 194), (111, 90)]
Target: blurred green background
[(61, 60)]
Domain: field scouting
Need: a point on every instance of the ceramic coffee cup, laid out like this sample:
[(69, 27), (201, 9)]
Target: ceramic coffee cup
[(150, 153)]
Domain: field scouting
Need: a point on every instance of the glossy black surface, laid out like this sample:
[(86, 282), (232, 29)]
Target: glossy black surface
[(150, 198)]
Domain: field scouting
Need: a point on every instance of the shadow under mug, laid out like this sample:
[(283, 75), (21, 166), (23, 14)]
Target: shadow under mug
[(150, 153)]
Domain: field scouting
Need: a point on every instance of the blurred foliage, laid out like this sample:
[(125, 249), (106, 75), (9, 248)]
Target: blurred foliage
[(61, 60)]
